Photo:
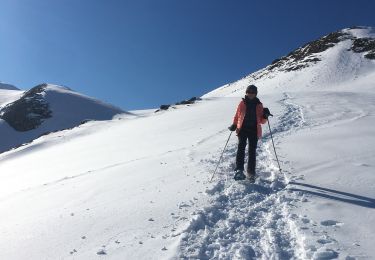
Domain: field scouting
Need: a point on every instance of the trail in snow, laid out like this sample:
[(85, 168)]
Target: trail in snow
[(244, 220)]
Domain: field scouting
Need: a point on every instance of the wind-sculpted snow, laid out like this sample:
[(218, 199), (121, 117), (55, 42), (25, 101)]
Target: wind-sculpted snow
[(244, 220)]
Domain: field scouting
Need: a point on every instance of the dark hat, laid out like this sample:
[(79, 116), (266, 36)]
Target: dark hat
[(252, 89)]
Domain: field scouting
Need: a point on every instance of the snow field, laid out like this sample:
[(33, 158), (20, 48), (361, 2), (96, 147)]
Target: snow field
[(124, 187), (338, 183)]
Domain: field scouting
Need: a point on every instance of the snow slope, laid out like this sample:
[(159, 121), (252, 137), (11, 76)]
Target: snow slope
[(137, 186), (8, 94), (327, 148)]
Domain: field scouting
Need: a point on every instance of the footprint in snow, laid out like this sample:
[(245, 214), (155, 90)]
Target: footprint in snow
[(362, 165), (183, 205), (324, 254), (328, 223), (324, 241), (305, 220), (101, 252)]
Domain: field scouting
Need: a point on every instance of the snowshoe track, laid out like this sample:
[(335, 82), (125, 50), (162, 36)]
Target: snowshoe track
[(244, 220)]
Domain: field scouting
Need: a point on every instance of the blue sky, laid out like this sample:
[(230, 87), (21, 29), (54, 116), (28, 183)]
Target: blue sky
[(144, 53)]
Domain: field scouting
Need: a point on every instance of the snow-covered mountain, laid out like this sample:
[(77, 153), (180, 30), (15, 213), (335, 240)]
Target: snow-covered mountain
[(338, 58), (7, 86), (137, 186), (43, 109)]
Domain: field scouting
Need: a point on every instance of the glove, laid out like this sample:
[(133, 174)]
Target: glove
[(232, 128), (266, 113)]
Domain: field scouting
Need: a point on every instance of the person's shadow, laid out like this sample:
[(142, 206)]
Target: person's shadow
[(334, 194)]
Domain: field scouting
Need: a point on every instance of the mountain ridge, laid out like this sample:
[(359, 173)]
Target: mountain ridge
[(356, 44)]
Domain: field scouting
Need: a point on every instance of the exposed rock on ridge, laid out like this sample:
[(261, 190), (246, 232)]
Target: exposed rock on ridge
[(309, 54), (304, 56), (367, 45), (29, 111)]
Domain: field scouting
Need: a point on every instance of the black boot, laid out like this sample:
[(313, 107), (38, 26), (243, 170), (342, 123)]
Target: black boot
[(239, 175)]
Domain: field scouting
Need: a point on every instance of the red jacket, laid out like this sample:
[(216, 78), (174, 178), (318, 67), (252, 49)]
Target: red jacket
[(240, 116)]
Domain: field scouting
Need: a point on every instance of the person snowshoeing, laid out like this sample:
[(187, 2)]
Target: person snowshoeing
[(247, 122)]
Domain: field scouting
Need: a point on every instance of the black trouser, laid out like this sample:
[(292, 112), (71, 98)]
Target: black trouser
[(243, 136)]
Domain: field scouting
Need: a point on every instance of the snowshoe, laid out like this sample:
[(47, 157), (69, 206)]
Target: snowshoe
[(239, 176), (251, 178), (251, 175)]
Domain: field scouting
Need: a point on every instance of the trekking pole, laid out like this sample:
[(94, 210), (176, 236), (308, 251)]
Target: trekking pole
[(221, 156), (273, 144)]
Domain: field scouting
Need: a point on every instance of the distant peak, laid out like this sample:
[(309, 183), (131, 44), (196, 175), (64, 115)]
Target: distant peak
[(363, 39), (307, 54), (49, 86), (7, 86)]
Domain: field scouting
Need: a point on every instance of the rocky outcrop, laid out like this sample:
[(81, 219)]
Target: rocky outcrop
[(309, 54), (29, 111), (364, 45), (305, 55), (183, 102)]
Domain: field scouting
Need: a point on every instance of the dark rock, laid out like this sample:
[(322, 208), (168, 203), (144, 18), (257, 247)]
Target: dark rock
[(370, 55), (189, 101), (304, 56), (195, 99), (29, 111), (361, 45), (184, 102), (84, 122), (164, 107), (101, 252)]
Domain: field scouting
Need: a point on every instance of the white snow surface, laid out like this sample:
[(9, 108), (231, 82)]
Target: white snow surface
[(136, 187), (7, 96)]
